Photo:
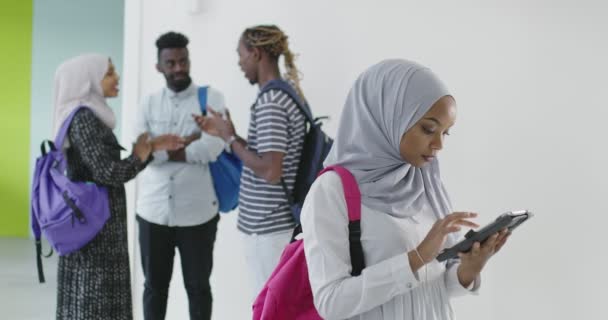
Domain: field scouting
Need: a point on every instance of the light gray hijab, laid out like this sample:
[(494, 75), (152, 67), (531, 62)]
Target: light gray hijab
[(78, 83), (385, 102)]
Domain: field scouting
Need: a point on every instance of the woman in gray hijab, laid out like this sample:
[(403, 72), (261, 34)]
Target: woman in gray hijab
[(393, 125)]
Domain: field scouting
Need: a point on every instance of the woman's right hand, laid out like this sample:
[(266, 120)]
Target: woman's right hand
[(433, 242), (142, 147)]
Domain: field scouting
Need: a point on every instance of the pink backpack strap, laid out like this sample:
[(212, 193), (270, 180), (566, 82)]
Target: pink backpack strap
[(351, 191), (352, 195)]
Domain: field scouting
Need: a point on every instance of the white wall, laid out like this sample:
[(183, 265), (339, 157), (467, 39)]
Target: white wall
[(529, 79)]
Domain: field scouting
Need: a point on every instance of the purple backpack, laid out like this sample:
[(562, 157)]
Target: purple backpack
[(287, 293), (68, 213)]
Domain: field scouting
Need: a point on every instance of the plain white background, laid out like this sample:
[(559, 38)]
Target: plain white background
[(530, 81)]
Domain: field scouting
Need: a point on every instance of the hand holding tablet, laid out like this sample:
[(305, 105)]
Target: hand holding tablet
[(509, 220)]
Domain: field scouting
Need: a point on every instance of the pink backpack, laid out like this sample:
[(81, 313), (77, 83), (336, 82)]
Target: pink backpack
[(287, 293)]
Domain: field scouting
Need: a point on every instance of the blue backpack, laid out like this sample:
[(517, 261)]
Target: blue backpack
[(316, 147), (225, 171)]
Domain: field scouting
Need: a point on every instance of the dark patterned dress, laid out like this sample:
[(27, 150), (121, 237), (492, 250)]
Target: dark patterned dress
[(94, 282)]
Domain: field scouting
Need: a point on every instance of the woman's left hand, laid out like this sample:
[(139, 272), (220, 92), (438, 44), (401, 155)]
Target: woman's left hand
[(473, 262)]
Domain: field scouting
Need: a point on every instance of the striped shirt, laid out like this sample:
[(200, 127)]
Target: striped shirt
[(276, 124)]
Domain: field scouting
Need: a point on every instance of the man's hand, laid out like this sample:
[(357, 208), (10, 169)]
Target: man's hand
[(191, 138), (167, 142), (215, 125), (178, 155)]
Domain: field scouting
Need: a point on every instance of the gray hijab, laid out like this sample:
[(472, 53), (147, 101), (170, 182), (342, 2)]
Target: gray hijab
[(78, 83), (386, 101)]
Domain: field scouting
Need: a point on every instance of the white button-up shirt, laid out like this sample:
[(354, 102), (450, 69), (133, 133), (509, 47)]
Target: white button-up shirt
[(387, 288), (178, 193)]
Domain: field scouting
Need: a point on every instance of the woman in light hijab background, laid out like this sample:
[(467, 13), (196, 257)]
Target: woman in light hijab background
[(94, 282), (393, 124)]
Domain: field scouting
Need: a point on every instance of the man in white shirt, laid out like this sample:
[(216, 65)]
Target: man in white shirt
[(176, 202)]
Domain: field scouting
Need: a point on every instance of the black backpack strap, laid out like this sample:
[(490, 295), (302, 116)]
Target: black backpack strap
[(290, 199), (38, 233), (43, 150), (76, 212), (356, 249), (39, 261), (353, 194), (280, 84), (296, 231), (39, 256)]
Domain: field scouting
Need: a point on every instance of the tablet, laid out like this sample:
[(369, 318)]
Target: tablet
[(509, 220)]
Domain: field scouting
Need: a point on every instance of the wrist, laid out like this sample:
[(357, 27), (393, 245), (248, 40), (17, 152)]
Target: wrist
[(416, 260), (226, 130), (466, 275), (140, 155), (230, 140), (152, 145), (423, 255), (227, 134)]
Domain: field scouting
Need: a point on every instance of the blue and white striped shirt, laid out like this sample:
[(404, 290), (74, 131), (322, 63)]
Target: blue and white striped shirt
[(278, 125)]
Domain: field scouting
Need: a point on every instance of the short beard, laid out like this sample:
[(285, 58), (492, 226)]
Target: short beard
[(179, 85)]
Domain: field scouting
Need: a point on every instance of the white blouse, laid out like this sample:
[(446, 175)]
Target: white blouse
[(387, 288)]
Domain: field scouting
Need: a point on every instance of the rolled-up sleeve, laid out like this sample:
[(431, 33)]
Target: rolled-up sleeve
[(204, 150), (142, 125), (208, 148)]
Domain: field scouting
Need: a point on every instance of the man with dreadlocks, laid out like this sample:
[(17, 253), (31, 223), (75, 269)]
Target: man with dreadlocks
[(272, 151)]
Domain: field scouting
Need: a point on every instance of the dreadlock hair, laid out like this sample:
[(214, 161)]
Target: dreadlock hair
[(171, 40), (273, 41)]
